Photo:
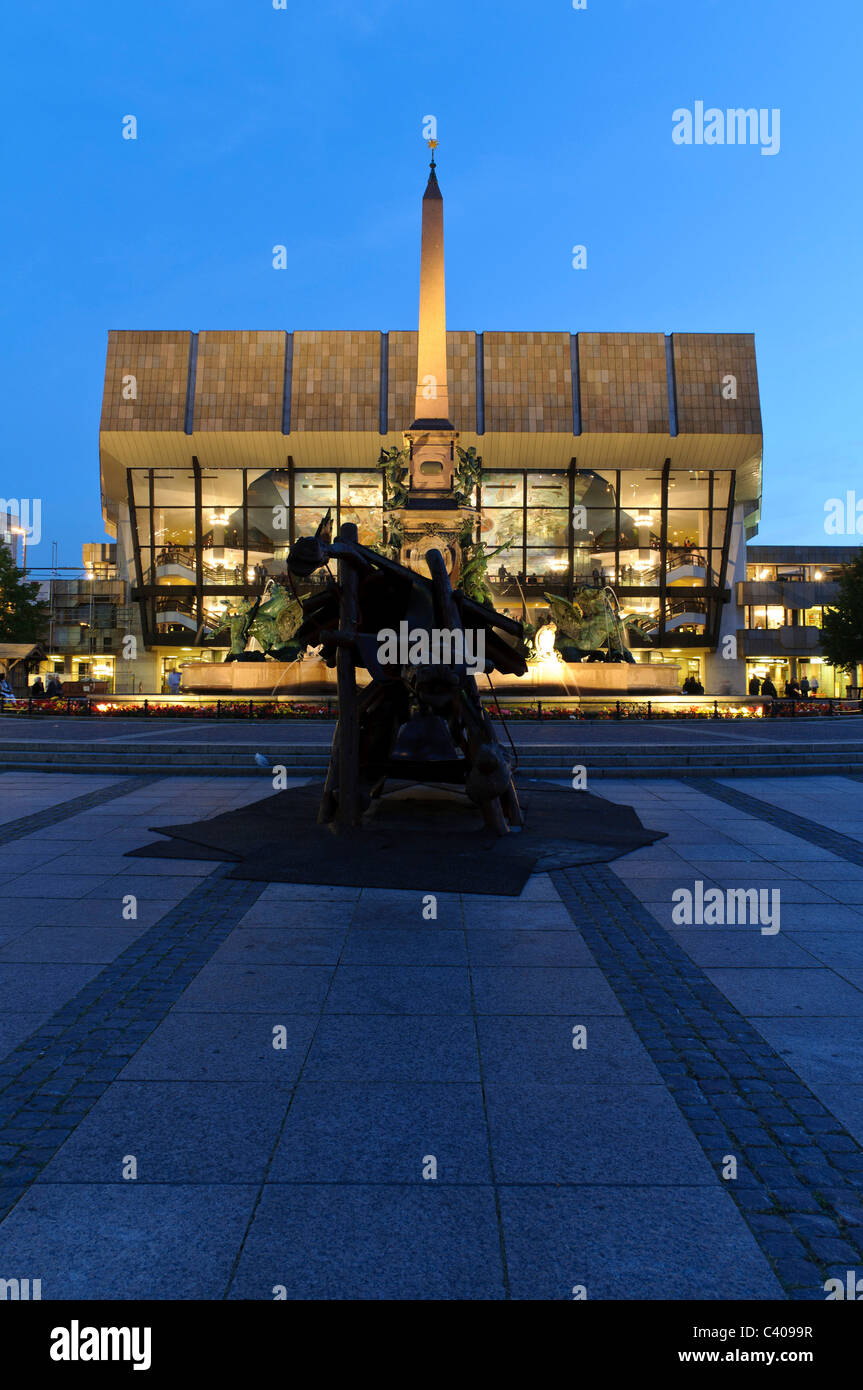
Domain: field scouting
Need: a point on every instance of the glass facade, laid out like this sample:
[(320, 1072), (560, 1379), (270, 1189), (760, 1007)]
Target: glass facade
[(832, 683), (660, 538), (204, 539), (770, 616), (808, 573)]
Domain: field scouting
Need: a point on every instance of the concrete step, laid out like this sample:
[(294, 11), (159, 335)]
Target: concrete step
[(695, 760), (623, 765), (61, 759), (562, 774), (555, 772), (550, 760), (160, 769), (697, 770), (538, 754)]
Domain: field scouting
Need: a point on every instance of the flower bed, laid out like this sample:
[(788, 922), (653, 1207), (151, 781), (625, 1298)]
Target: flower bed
[(225, 709), (630, 710), (105, 707)]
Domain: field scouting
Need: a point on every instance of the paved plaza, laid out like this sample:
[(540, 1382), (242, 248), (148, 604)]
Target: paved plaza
[(212, 1088)]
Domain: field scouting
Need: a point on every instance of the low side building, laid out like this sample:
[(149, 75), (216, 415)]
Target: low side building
[(90, 621), (780, 605)]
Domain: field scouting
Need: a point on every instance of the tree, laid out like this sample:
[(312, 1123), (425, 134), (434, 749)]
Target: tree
[(842, 625), (23, 617)]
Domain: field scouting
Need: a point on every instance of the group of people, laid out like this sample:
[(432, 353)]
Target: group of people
[(38, 690), (804, 689), (794, 689)]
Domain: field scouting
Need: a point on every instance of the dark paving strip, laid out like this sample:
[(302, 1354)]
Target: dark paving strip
[(808, 830), (50, 1081), (26, 825), (799, 1184)]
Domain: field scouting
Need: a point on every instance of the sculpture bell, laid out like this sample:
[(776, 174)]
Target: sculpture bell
[(425, 738)]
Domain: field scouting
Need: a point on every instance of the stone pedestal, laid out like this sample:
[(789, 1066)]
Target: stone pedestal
[(545, 679), (432, 528)]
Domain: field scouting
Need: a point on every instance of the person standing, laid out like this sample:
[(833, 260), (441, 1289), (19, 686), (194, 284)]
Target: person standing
[(174, 680), (754, 686), (813, 687), (804, 686)]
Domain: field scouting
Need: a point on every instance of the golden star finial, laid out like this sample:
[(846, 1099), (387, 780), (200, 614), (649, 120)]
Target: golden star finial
[(432, 144)]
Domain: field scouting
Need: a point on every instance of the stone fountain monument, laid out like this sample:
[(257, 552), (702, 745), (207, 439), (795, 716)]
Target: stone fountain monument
[(432, 516)]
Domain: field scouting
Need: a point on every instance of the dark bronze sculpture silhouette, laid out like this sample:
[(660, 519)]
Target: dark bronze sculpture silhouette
[(420, 718)]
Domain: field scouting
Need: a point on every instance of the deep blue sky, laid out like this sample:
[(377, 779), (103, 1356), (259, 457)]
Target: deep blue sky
[(260, 126)]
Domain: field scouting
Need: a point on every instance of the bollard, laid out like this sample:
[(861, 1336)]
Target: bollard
[(649, 708), (29, 706), (715, 709), (539, 709), (218, 709), (250, 710), (617, 710), (146, 708)]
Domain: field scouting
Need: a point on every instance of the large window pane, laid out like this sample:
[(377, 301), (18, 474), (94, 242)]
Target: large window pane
[(548, 490), (174, 487), (141, 487), (547, 527), (545, 563), (502, 524), (593, 524), (222, 490), (266, 530), (307, 520), (502, 575), (315, 490), (174, 526), (368, 521), (361, 489), (502, 489)]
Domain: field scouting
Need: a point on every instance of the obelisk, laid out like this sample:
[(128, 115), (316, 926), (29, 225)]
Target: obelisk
[(432, 396), (431, 516)]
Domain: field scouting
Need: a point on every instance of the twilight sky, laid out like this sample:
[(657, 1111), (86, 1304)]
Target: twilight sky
[(302, 126)]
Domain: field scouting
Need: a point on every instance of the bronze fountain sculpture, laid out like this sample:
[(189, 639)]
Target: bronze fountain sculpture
[(420, 720)]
